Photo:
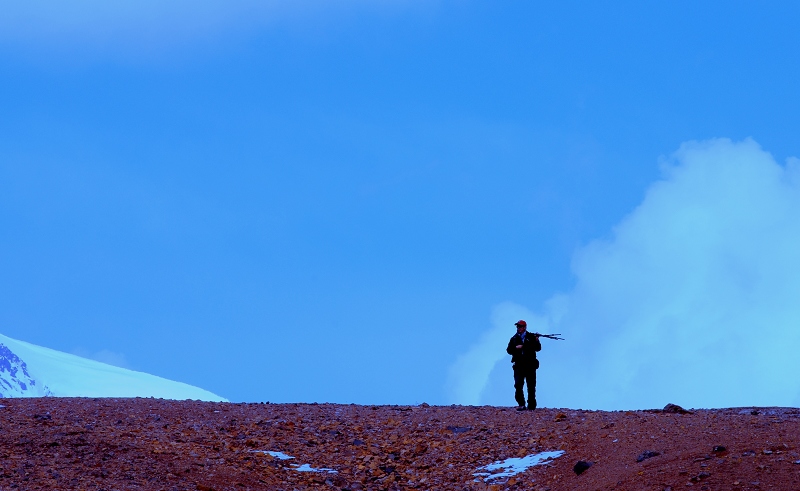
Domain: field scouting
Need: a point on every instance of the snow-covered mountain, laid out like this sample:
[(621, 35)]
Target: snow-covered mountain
[(27, 370)]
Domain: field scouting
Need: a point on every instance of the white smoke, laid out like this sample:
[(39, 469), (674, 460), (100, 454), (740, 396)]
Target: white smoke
[(105, 356), (694, 298), (470, 373)]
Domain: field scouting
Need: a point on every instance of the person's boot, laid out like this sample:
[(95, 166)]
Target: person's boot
[(521, 408), (532, 405)]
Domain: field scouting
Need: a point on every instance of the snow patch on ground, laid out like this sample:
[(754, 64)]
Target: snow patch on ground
[(277, 455), (513, 466), (295, 467), (308, 468)]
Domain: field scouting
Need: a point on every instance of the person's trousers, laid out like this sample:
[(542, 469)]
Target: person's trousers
[(523, 374)]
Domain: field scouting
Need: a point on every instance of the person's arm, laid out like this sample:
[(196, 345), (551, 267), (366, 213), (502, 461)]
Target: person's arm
[(511, 350), (537, 346)]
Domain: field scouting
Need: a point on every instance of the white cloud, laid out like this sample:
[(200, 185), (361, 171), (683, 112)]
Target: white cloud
[(151, 26), (104, 356), (692, 300)]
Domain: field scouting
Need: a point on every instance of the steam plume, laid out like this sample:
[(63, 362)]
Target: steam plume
[(694, 298)]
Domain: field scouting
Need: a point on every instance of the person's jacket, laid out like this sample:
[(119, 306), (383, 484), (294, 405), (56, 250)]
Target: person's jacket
[(527, 354)]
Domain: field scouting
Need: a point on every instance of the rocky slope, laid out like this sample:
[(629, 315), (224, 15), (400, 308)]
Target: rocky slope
[(153, 444), (15, 381)]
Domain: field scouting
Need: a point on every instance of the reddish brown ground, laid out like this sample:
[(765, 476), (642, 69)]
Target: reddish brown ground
[(115, 444)]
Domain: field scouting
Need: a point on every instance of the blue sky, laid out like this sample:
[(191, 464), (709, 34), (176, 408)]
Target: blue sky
[(336, 203)]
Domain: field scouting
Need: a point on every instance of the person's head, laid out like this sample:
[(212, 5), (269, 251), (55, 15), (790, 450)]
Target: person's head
[(521, 326)]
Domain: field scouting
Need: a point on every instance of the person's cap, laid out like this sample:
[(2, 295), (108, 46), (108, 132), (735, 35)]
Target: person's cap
[(521, 323)]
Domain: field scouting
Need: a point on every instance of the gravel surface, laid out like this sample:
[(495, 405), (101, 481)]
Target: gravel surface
[(153, 444)]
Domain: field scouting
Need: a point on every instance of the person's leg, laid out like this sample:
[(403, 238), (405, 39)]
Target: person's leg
[(519, 382), (531, 377)]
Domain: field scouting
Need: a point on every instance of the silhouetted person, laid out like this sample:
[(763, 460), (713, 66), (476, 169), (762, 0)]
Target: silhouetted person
[(523, 347)]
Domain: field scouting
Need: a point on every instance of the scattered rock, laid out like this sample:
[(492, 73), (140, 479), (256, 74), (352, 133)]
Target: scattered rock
[(675, 409), (459, 429), (118, 444), (700, 477), (647, 454), (581, 466)]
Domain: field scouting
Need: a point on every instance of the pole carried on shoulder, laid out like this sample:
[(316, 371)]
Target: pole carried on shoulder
[(549, 336)]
